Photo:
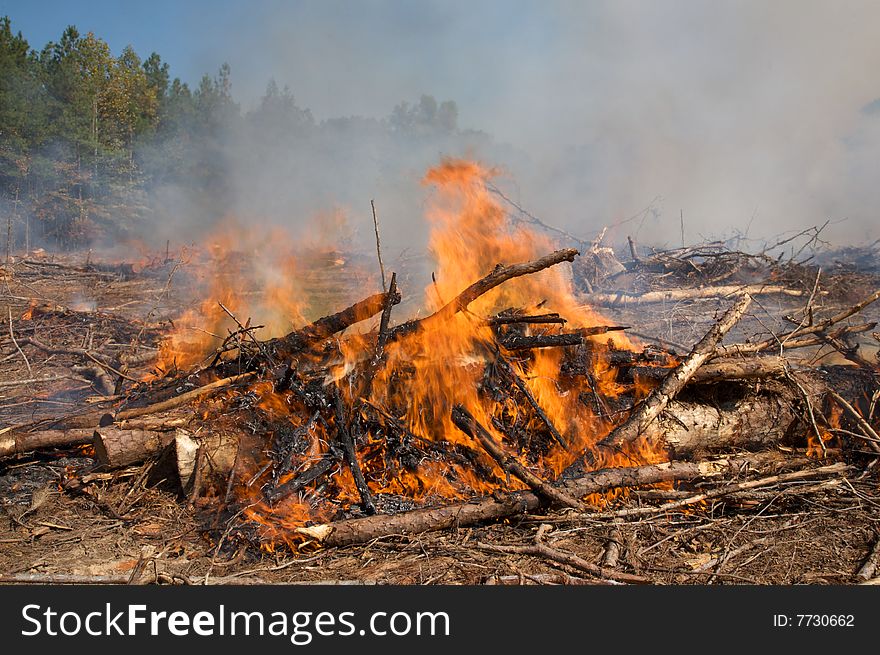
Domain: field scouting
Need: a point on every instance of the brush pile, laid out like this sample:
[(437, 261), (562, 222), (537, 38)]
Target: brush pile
[(511, 400)]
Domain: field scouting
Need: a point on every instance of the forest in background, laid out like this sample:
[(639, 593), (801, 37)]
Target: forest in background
[(88, 137)]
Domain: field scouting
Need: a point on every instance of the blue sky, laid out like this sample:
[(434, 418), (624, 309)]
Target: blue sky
[(339, 58)]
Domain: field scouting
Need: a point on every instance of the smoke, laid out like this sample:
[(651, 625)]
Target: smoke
[(749, 118)]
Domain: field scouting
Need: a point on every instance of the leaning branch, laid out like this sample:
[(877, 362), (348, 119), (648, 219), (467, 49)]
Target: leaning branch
[(465, 422), (498, 275), (659, 398), (327, 326)]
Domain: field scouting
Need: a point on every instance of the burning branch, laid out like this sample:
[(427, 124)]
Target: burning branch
[(465, 422), (362, 530), (327, 326), (499, 275)]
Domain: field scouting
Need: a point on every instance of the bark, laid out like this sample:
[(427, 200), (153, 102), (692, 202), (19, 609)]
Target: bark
[(161, 424), (455, 515), (117, 448), (13, 443), (499, 275), (721, 370), (465, 422), (673, 295), (637, 422), (688, 429), (327, 326)]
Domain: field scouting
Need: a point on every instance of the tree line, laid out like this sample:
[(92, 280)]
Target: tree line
[(85, 135)]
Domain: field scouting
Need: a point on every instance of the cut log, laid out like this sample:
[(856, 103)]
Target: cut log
[(13, 443), (637, 422), (186, 452), (456, 515), (116, 448), (218, 457), (674, 295), (690, 429)]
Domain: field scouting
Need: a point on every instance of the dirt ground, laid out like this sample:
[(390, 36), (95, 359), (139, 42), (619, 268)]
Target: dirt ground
[(129, 528)]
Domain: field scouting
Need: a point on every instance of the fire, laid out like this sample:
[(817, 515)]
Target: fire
[(548, 406), (471, 234), (817, 444), (234, 261), (29, 312)]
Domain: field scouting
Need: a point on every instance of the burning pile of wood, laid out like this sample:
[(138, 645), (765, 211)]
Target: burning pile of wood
[(512, 397)]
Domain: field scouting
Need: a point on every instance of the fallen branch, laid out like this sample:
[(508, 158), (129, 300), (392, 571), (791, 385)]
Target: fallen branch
[(61, 578), (540, 578), (13, 443), (183, 398), (869, 569), (529, 396), (672, 295), (524, 318), (458, 515), (832, 469), (540, 549), (48, 378), (781, 341), (327, 326), (526, 342)]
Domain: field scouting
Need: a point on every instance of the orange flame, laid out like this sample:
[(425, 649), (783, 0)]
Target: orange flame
[(425, 374)]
